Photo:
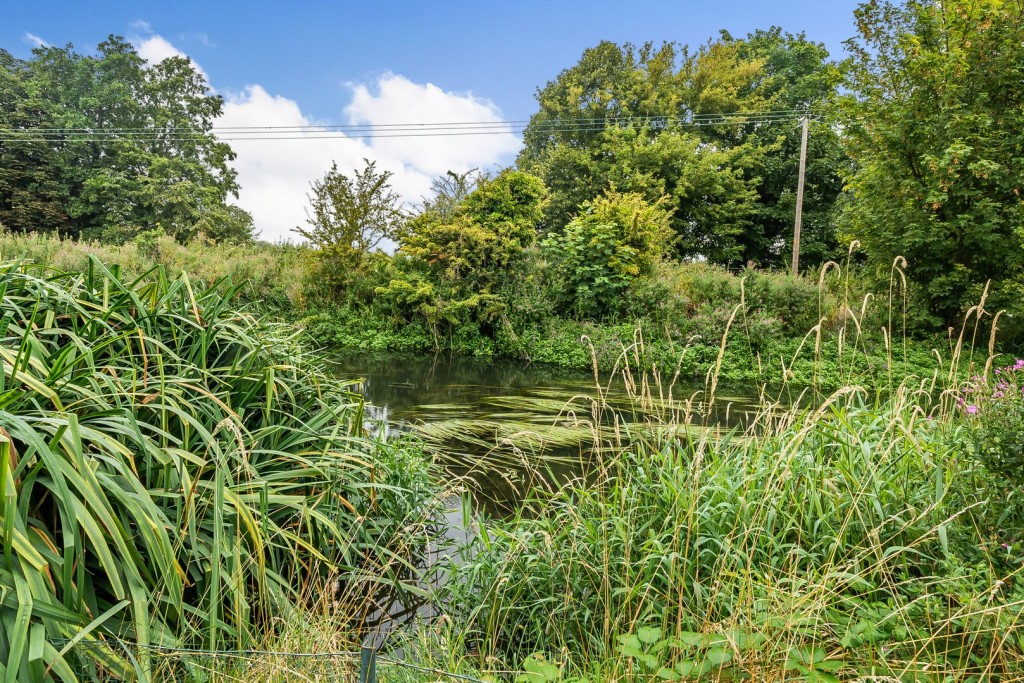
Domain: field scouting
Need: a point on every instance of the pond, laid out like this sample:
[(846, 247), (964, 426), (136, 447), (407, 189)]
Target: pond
[(504, 423), (504, 426)]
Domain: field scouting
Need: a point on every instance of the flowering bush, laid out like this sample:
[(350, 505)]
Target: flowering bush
[(997, 410)]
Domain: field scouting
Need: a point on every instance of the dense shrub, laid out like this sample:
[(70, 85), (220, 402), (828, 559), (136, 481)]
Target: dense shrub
[(617, 239), (791, 303)]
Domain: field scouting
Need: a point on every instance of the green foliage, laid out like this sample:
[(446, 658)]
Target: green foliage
[(797, 75), (934, 124), (997, 410), (449, 192), (831, 543), (349, 218), (486, 235), (176, 472), (617, 239), (731, 187), (353, 327), (84, 182), (794, 304), (452, 265), (265, 277), (538, 669)]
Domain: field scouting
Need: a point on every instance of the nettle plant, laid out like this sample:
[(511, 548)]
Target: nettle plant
[(726, 655)]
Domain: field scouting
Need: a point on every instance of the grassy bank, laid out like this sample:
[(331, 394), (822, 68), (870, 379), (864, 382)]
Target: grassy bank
[(755, 328), (855, 541), (272, 277), (819, 330)]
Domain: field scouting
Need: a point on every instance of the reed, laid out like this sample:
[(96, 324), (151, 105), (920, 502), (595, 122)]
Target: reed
[(853, 530), (175, 472), (853, 535)]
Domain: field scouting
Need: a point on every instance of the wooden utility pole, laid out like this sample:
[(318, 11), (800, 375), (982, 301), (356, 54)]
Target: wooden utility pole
[(800, 198)]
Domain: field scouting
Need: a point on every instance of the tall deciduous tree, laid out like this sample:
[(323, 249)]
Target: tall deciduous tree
[(618, 119), (797, 75), (106, 145), (935, 123)]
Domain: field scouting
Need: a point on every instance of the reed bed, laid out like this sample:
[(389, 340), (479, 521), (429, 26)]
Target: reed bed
[(177, 473), (854, 535), (850, 541)]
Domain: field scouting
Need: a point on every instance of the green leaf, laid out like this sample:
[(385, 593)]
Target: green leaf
[(718, 656), (630, 645), (649, 634), (691, 638)]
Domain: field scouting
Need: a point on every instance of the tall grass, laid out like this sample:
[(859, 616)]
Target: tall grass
[(853, 538), (853, 532), (273, 276), (174, 472)]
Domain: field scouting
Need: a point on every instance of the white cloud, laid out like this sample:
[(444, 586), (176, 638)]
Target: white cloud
[(400, 101), (275, 174), (154, 48), (34, 40)]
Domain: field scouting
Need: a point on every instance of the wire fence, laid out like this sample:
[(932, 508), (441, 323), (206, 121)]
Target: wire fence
[(119, 661)]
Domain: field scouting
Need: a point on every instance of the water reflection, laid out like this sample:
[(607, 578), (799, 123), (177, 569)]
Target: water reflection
[(509, 425), (506, 426)]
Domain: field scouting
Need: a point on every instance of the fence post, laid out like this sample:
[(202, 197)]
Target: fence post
[(367, 665)]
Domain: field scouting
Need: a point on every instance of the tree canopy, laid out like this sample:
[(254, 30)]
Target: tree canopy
[(623, 118), (353, 215), (934, 121), (106, 146)]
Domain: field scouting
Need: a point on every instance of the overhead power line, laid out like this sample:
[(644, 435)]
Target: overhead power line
[(521, 123), (397, 130)]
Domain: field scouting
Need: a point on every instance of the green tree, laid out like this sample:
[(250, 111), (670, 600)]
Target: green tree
[(33, 194), (449, 192), (456, 265), (935, 123), (616, 239), (491, 228), (797, 75), (105, 146), (350, 217), (620, 118)]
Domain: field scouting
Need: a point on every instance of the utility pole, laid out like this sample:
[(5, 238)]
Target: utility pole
[(800, 198)]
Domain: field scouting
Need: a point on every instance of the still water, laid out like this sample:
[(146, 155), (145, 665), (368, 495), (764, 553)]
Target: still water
[(502, 427), (503, 424)]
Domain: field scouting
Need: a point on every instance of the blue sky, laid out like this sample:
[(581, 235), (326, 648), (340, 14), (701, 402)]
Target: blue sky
[(375, 62)]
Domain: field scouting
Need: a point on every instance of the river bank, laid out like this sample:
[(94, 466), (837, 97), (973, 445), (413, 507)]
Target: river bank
[(157, 423)]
